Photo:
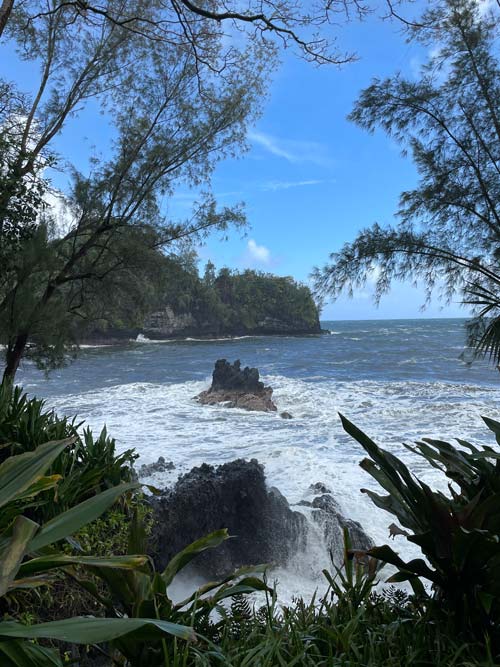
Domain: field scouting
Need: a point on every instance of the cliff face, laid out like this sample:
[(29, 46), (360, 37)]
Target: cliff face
[(227, 304), (166, 323)]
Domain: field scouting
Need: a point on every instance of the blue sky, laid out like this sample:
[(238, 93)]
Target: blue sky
[(311, 179)]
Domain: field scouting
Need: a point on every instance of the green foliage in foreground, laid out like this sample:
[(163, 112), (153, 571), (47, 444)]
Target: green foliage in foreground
[(86, 466), (458, 533)]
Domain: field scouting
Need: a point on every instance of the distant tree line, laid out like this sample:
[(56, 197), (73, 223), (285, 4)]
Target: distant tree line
[(220, 302)]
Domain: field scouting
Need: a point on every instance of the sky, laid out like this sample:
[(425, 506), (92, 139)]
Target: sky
[(310, 179)]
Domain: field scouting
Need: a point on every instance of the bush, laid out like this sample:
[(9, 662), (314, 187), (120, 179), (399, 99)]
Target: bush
[(86, 466), (458, 533)]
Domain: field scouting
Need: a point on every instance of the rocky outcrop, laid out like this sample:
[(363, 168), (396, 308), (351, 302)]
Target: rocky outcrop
[(159, 466), (327, 513), (263, 526), (233, 496), (165, 324), (238, 388)]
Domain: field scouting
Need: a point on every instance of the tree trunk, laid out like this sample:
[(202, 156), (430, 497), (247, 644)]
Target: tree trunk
[(13, 357), (5, 10)]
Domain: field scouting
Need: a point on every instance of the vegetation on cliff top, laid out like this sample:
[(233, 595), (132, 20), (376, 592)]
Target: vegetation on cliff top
[(220, 303)]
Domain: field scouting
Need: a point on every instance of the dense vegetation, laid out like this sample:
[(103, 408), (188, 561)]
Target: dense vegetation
[(74, 567), (219, 303)]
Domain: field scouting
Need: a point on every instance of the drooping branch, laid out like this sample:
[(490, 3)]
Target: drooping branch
[(289, 22)]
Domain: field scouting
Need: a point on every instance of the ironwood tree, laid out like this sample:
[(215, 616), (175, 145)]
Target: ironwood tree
[(448, 121)]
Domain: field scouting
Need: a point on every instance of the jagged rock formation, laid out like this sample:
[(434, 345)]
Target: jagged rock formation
[(161, 465), (235, 496), (232, 496), (238, 388), (327, 513)]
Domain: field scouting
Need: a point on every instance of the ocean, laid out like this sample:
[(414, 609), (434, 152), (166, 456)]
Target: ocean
[(398, 380)]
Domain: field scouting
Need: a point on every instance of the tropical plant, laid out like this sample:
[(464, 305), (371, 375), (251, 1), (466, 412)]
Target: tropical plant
[(86, 466), (27, 559), (458, 532), (144, 593)]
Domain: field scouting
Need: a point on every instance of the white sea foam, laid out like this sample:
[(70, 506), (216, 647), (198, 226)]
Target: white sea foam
[(166, 420)]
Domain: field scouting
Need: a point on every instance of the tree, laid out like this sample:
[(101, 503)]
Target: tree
[(179, 82), (167, 130), (177, 22), (449, 121)]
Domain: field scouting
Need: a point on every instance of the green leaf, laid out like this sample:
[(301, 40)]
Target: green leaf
[(181, 559), (27, 654), (486, 600), (19, 473), (43, 484), (90, 630), (72, 520), (45, 563), (11, 557)]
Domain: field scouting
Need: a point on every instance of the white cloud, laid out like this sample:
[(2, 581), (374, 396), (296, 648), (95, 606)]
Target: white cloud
[(286, 185), (258, 253), (292, 150)]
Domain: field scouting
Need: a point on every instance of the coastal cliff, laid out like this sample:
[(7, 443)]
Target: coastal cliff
[(227, 303)]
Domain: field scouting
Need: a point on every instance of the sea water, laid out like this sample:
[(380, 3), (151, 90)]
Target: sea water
[(398, 380)]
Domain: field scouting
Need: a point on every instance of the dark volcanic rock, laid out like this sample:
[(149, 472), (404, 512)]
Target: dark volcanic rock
[(159, 466), (286, 415), (228, 376), (232, 496), (238, 388), (328, 514)]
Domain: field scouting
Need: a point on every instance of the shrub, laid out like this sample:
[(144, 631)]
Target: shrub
[(85, 467), (458, 533)]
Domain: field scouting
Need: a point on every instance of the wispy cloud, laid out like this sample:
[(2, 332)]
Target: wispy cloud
[(292, 150), (259, 254), (286, 185)]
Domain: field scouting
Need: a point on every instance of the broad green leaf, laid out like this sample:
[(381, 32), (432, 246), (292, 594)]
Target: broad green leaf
[(90, 630), (45, 563), (15, 653), (72, 520), (19, 473), (181, 559), (22, 532), (43, 484)]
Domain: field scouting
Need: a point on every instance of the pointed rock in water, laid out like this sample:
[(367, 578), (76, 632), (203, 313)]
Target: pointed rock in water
[(233, 496), (263, 526), (327, 513), (161, 465), (237, 388)]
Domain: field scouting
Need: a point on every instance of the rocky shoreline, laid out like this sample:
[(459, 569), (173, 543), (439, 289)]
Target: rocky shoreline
[(125, 337), (264, 528)]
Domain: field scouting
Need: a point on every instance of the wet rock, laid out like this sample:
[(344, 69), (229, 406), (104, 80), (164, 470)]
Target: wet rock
[(327, 513), (161, 465), (319, 487), (286, 415), (237, 388), (228, 376), (232, 496)]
